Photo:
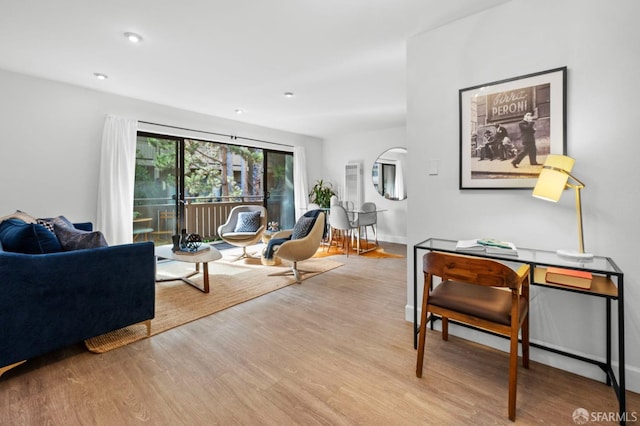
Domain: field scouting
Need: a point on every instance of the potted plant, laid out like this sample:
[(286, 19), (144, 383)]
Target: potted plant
[(321, 194)]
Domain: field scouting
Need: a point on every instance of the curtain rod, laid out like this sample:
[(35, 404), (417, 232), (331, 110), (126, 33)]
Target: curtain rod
[(232, 137)]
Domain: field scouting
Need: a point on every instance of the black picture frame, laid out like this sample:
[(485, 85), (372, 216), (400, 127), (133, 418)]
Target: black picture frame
[(487, 159)]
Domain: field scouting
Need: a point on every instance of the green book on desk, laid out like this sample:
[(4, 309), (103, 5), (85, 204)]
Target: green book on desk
[(488, 245)]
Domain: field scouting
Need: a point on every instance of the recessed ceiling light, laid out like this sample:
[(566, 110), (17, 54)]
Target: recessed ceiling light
[(100, 76), (239, 111), (133, 37), (288, 94)]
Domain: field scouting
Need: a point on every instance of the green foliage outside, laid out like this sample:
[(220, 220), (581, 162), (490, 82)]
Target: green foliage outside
[(209, 170)]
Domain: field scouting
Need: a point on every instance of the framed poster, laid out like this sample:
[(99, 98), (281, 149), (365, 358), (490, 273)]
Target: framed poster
[(508, 127)]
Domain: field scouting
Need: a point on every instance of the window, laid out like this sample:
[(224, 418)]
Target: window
[(193, 184)]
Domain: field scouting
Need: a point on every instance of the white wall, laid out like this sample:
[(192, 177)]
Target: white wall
[(598, 42), (51, 137), (365, 148)]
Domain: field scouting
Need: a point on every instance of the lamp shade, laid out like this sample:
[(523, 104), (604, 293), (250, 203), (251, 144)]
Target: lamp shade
[(553, 177)]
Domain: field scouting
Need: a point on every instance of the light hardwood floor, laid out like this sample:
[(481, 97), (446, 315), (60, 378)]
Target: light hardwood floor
[(334, 350)]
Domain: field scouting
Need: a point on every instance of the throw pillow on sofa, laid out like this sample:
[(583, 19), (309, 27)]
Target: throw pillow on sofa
[(75, 239), (19, 214), (47, 224), (29, 238)]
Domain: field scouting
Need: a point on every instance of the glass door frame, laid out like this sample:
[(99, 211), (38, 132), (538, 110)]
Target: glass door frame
[(267, 193), (179, 205)]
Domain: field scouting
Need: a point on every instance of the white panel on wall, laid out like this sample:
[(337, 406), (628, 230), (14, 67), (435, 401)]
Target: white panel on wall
[(353, 184)]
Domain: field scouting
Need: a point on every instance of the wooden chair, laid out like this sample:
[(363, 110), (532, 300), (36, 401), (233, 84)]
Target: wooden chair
[(470, 293), (166, 226), (141, 229)]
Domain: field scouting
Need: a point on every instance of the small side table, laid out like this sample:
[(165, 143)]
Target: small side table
[(203, 257), (266, 236)]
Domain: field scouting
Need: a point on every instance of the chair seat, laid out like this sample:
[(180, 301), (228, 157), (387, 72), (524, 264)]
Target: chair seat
[(488, 303), (238, 235), (142, 230)]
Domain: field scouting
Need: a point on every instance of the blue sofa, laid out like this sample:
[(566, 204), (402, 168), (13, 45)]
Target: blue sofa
[(52, 300)]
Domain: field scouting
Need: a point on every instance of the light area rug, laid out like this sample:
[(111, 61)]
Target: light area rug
[(231, 283), (378, 253)]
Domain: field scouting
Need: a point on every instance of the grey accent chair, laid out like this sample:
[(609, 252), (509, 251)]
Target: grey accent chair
[(368, 217), (341, 227)]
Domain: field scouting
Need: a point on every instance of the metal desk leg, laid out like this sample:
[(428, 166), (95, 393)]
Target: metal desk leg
[(622, 397), (415, 298)]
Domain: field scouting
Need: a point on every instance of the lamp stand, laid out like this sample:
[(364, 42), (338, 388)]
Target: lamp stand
[(579, 255)]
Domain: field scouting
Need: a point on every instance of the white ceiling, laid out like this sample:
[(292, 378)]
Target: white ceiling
[(343, 59)]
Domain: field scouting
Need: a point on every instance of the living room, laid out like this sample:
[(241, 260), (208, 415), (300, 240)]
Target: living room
[(53, 131)]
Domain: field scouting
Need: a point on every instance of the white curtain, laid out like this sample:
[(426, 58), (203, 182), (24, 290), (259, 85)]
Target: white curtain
[(116, 180), (300, 188)]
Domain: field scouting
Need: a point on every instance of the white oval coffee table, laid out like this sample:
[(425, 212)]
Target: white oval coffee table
[(203, 256)]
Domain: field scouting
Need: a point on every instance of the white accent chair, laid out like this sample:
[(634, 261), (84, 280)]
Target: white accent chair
[(229, 234), (300, 249)]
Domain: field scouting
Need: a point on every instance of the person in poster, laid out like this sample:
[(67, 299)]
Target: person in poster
[(527, 131), (501, 141)]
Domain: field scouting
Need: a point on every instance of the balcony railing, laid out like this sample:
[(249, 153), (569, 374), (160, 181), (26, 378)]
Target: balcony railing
[(205, 218), (201, 217)]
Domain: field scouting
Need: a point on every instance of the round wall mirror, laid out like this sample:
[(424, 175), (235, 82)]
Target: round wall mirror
[(388, 174)]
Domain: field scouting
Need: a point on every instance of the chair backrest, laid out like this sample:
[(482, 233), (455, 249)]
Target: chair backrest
[(304, 248), (333, 200), (370, 218), (313, 206), (338, 218), (472, 270), (368, 207), (166, 221), (249, 208), (230, 224), (316, 233)]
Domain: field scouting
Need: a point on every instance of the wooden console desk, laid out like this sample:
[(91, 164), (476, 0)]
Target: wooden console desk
[(608, 283)]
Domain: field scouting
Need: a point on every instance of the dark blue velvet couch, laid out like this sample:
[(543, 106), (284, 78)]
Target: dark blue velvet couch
[(48, 301)]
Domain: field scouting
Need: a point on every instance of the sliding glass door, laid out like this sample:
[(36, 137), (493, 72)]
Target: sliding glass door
[(193, 185), (218, 177), (279, 184), (155, 199)]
